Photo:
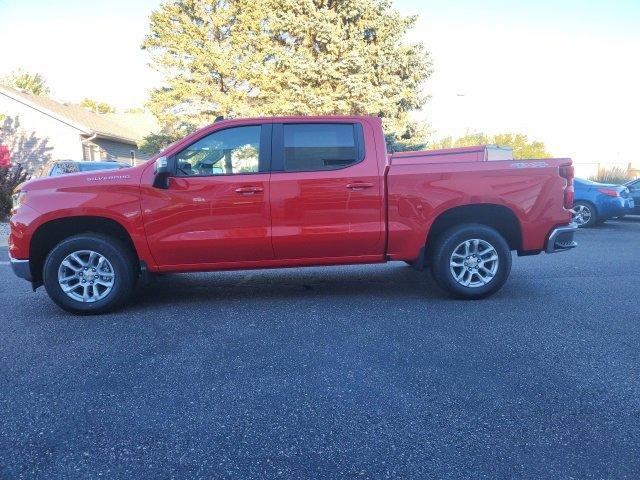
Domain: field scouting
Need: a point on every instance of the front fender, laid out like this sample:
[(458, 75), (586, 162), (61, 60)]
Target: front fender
[(119, 203)]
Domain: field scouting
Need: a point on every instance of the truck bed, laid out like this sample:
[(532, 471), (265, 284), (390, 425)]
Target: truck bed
[(423, 185)]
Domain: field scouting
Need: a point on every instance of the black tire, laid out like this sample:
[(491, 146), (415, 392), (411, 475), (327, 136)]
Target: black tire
[(593, 219), (449, 241), (119, 256)]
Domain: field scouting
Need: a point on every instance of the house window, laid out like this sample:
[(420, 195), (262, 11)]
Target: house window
[(93, 153)]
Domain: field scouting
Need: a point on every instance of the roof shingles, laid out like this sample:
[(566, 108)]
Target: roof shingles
[(107, 125)]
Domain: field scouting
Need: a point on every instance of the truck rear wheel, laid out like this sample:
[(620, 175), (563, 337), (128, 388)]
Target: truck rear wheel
[(89, 274), (471, 261)]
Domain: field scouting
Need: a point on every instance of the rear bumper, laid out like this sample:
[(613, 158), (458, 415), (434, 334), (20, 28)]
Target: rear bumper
[(614, 207), (21, 268), (630, 205), (561, 239)]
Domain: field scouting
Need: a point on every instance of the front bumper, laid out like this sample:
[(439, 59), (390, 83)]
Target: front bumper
[(21, 268), (561, 239)]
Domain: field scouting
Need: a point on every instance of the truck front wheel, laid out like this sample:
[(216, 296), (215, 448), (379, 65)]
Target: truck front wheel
[(471, 261), (89, 273)]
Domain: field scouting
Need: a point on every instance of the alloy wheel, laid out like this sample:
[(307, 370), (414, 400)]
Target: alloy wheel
[(474, 263), (86, 276), (582, 214)]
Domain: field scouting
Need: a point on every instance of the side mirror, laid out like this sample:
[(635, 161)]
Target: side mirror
[(162, 173)]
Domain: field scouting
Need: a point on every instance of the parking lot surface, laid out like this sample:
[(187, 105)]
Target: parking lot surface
[(359, 372)]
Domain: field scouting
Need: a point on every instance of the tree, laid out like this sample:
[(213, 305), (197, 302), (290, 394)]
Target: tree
[(155, 142), (96, 106), (275, 57), (395, 145), (10, 178), (27, 152), (25, 148), (522, 147), (30, 82)]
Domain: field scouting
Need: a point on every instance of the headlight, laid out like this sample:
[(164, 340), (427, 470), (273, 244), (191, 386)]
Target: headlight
[(18, 198)]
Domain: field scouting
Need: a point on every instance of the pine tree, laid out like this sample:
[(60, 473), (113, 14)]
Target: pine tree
[(278, 57)]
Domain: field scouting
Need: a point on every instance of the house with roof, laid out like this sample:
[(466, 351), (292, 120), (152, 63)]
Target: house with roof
[(72, 132)]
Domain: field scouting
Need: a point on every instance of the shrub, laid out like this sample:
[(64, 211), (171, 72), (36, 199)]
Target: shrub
[(615, 175), (10, 178)]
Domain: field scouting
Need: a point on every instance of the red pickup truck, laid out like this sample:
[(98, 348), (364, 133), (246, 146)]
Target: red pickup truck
[(287, 192)]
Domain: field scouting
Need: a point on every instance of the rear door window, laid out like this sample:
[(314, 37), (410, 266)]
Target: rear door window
[(320, 146)]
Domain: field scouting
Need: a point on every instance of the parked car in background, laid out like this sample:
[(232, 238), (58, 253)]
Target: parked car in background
[(634, 191), (596, 202), (63, 167)]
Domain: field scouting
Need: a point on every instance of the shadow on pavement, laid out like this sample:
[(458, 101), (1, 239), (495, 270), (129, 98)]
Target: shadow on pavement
[(393, 281), (630, 218)]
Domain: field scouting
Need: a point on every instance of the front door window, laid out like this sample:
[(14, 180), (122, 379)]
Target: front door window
[(226, 152)]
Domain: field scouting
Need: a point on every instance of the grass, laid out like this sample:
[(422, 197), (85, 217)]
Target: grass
[(615, 175)]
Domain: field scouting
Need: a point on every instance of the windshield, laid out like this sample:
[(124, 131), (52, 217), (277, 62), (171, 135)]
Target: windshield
[(92, 166)]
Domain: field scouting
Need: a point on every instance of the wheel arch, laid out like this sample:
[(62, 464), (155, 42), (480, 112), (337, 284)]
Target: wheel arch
[(50, 233), (498, 217)]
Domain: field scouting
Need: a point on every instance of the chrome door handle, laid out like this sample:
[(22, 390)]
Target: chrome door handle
[(359, 186), (249, 190)]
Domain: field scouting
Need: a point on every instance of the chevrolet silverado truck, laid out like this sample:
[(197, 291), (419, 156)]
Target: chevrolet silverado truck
[(289, 192)]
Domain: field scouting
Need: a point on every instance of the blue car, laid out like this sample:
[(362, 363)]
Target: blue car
[(597, 202)]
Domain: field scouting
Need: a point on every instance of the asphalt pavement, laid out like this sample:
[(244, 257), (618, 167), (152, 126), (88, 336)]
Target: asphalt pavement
[(341, 372)]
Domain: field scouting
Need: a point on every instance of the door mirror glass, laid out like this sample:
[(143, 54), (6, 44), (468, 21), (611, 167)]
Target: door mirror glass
[(161, 165)]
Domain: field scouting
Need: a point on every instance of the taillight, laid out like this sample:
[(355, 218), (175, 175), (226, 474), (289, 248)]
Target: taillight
[(567, 172), (569, 196), (609, 192)]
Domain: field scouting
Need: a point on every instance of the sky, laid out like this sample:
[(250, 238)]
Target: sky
[(565, 72)]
